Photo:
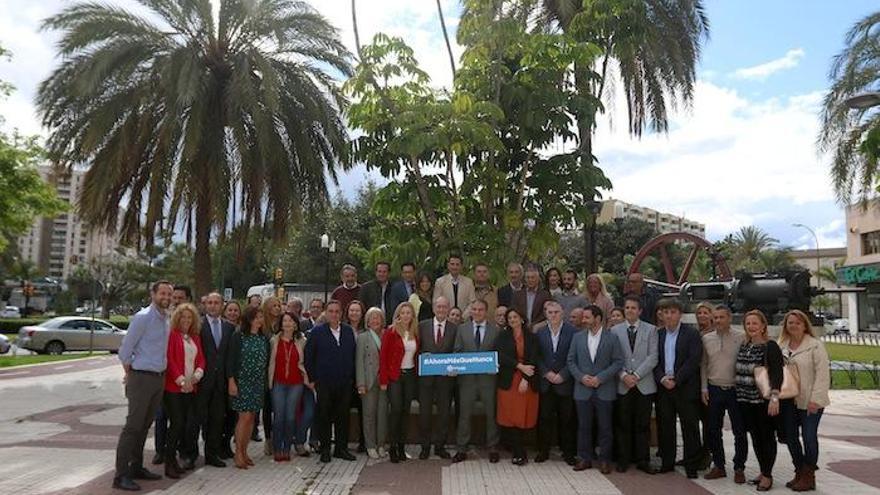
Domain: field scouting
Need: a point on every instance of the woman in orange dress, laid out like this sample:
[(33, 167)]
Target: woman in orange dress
[(518, 356)]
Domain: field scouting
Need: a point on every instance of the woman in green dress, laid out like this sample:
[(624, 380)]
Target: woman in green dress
[(246, 372)]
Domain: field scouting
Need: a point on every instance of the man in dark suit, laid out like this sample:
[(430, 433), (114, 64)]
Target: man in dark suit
[(514, 284), (436, 335), (556, 386), (680, 351), (377, 292), (530, 301), (211, 397), (403, 288), (594, 361), (329, 359)]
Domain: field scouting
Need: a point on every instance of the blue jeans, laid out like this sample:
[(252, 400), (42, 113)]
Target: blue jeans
[(798, 424), (307, 415), (285, 399), (161, 430), (721, 400)]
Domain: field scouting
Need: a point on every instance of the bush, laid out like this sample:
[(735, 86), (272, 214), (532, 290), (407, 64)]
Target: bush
[(12, 326)]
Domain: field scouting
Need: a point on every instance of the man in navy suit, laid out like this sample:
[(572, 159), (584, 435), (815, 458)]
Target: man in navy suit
[(556, 386), (594, 360), (403, 288), (680, 351), (329, 356)]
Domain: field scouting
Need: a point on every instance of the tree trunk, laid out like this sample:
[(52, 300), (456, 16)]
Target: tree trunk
[(202, 255), (425, 200), (354, 24), (445, 37)]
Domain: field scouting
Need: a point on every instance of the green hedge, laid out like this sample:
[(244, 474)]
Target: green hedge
[(12, 326)]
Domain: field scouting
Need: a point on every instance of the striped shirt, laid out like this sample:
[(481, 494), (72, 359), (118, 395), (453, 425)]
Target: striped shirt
[(749, 356)]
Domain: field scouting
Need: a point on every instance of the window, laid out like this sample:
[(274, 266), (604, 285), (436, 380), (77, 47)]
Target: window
[(871, 243)]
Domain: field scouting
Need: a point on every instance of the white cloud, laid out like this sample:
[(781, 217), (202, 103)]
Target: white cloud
[(760, 72), (829, 235)]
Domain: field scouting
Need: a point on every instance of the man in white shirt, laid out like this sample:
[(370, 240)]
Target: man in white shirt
[(556, 386), (458, 289), (436, 335)]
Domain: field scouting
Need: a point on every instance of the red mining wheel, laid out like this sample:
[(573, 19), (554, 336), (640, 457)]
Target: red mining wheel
[(698, 244)]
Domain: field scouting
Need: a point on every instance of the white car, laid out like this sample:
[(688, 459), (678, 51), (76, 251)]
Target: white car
[(4, 344), (840, 325), (10, 312)]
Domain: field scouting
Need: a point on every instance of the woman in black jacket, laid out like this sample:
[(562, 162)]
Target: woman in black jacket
[(759, 412), (518, 357)]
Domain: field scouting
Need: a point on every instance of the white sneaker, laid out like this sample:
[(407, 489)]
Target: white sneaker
[(382, 452), (372, 453)]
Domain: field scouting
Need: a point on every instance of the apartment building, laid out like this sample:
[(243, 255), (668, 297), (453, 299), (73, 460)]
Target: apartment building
[(663, 222)]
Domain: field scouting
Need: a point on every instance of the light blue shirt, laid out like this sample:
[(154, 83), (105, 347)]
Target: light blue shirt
[(530, 303), (669, 350), (145, 345)]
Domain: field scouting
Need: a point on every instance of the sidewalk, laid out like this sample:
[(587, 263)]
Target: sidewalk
[(58, 434)]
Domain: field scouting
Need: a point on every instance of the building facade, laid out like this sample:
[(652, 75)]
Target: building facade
[(828, 259), (862, 265), (57, 245), (664, 223)]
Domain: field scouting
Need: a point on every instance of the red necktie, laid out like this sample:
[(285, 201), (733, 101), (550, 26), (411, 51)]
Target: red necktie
[(439, 336)]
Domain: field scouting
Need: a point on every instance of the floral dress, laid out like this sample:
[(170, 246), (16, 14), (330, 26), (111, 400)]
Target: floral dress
[(251, 375)]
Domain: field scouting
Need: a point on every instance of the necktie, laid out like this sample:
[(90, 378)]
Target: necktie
[(632, 337), (454, 294), (439, 336), (382, 301), (215, 330), (478, 339)]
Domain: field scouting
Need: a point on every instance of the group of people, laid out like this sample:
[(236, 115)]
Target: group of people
[(582, 372)]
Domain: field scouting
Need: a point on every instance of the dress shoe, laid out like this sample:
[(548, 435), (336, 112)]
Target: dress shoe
[(188, 464), (605, 468), (494, 457), (459, 456), (344, 454), (395, 457), (125, 483), (325, 457), (666, 469), (541, 457), (715, 473), (172, 470), (519, 461), (158, 459), (214, 461), (621, 468), (692, 475), (401, 453), (705, 462), (647, 469), (441, 452), (140, 473), (570, 460), (739, 477), (425, 453), (226, 453), (362, 449), (583, 465)]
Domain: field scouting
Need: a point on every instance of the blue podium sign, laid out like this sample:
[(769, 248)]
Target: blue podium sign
[(464, 363)]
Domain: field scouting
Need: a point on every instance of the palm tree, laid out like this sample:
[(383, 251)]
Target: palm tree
[(853, 135), (184, 116), (656, 45), (751, 241)]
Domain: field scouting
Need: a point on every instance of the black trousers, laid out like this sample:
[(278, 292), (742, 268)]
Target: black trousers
[(762, 429), (434, 390), (333, 400), (179, 407), (359, 405), (144, 392), (633, 427), (211, 413), (513, 437), (401, 393), (556, 418), (676, 404)]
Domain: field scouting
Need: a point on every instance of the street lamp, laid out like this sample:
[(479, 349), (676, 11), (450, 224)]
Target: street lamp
[(330, 246), (863, 101), (816, 238)]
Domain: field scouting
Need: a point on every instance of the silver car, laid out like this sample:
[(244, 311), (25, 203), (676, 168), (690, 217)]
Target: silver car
[(4, 344), (70, 333)]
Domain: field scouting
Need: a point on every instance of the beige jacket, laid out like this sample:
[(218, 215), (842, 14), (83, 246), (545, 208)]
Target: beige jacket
[(273, 350), (813, 369)]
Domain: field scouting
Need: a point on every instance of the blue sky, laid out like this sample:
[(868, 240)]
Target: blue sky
[(743, 154)]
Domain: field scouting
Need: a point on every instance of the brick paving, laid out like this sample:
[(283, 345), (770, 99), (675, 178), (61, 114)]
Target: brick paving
[(58, 433)]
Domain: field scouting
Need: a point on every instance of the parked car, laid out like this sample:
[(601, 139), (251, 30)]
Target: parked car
[(10, 312), (5, 345), (840, 325), (70, 333)]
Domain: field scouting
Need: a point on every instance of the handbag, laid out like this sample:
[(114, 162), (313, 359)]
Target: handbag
[(791, 382)]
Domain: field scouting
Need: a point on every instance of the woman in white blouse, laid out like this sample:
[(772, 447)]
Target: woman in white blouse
[(398, 373)]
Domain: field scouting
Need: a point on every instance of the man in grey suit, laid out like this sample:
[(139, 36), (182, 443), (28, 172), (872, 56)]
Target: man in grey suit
[(477, 335), (636, 389), (594, 361), (436, 335)]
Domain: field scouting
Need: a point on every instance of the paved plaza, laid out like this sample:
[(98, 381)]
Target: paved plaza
[(59, 424)]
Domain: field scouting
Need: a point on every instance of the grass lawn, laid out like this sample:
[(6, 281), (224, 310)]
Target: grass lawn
[(7, 361), (853, 353), (840, 380)]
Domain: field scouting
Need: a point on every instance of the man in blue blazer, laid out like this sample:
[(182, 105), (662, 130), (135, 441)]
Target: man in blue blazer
[(329, 359), (403, 288), (680, 352), (594, 360), (556, 386)]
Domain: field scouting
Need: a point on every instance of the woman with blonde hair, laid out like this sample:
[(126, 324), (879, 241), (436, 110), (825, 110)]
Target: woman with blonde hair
[(186, 366), (597, 294), (373, 398), (397, 373), (758, 412), (704, 317), (800, 416)]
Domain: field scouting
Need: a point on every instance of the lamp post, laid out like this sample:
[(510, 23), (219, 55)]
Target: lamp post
[(818, 256), (330, 246)]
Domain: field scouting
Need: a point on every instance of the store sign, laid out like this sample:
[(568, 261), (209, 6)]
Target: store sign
[(861, 274)]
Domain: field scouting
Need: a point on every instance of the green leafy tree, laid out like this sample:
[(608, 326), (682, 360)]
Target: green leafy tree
[(196, 117), (853, 135), (753, 250)]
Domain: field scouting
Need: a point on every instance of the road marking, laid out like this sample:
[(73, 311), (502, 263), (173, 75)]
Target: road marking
[(14, 373), (64, 367)]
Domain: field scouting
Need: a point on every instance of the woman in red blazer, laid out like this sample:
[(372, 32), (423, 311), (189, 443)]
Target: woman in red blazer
[(398, 373), (186, 365)]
